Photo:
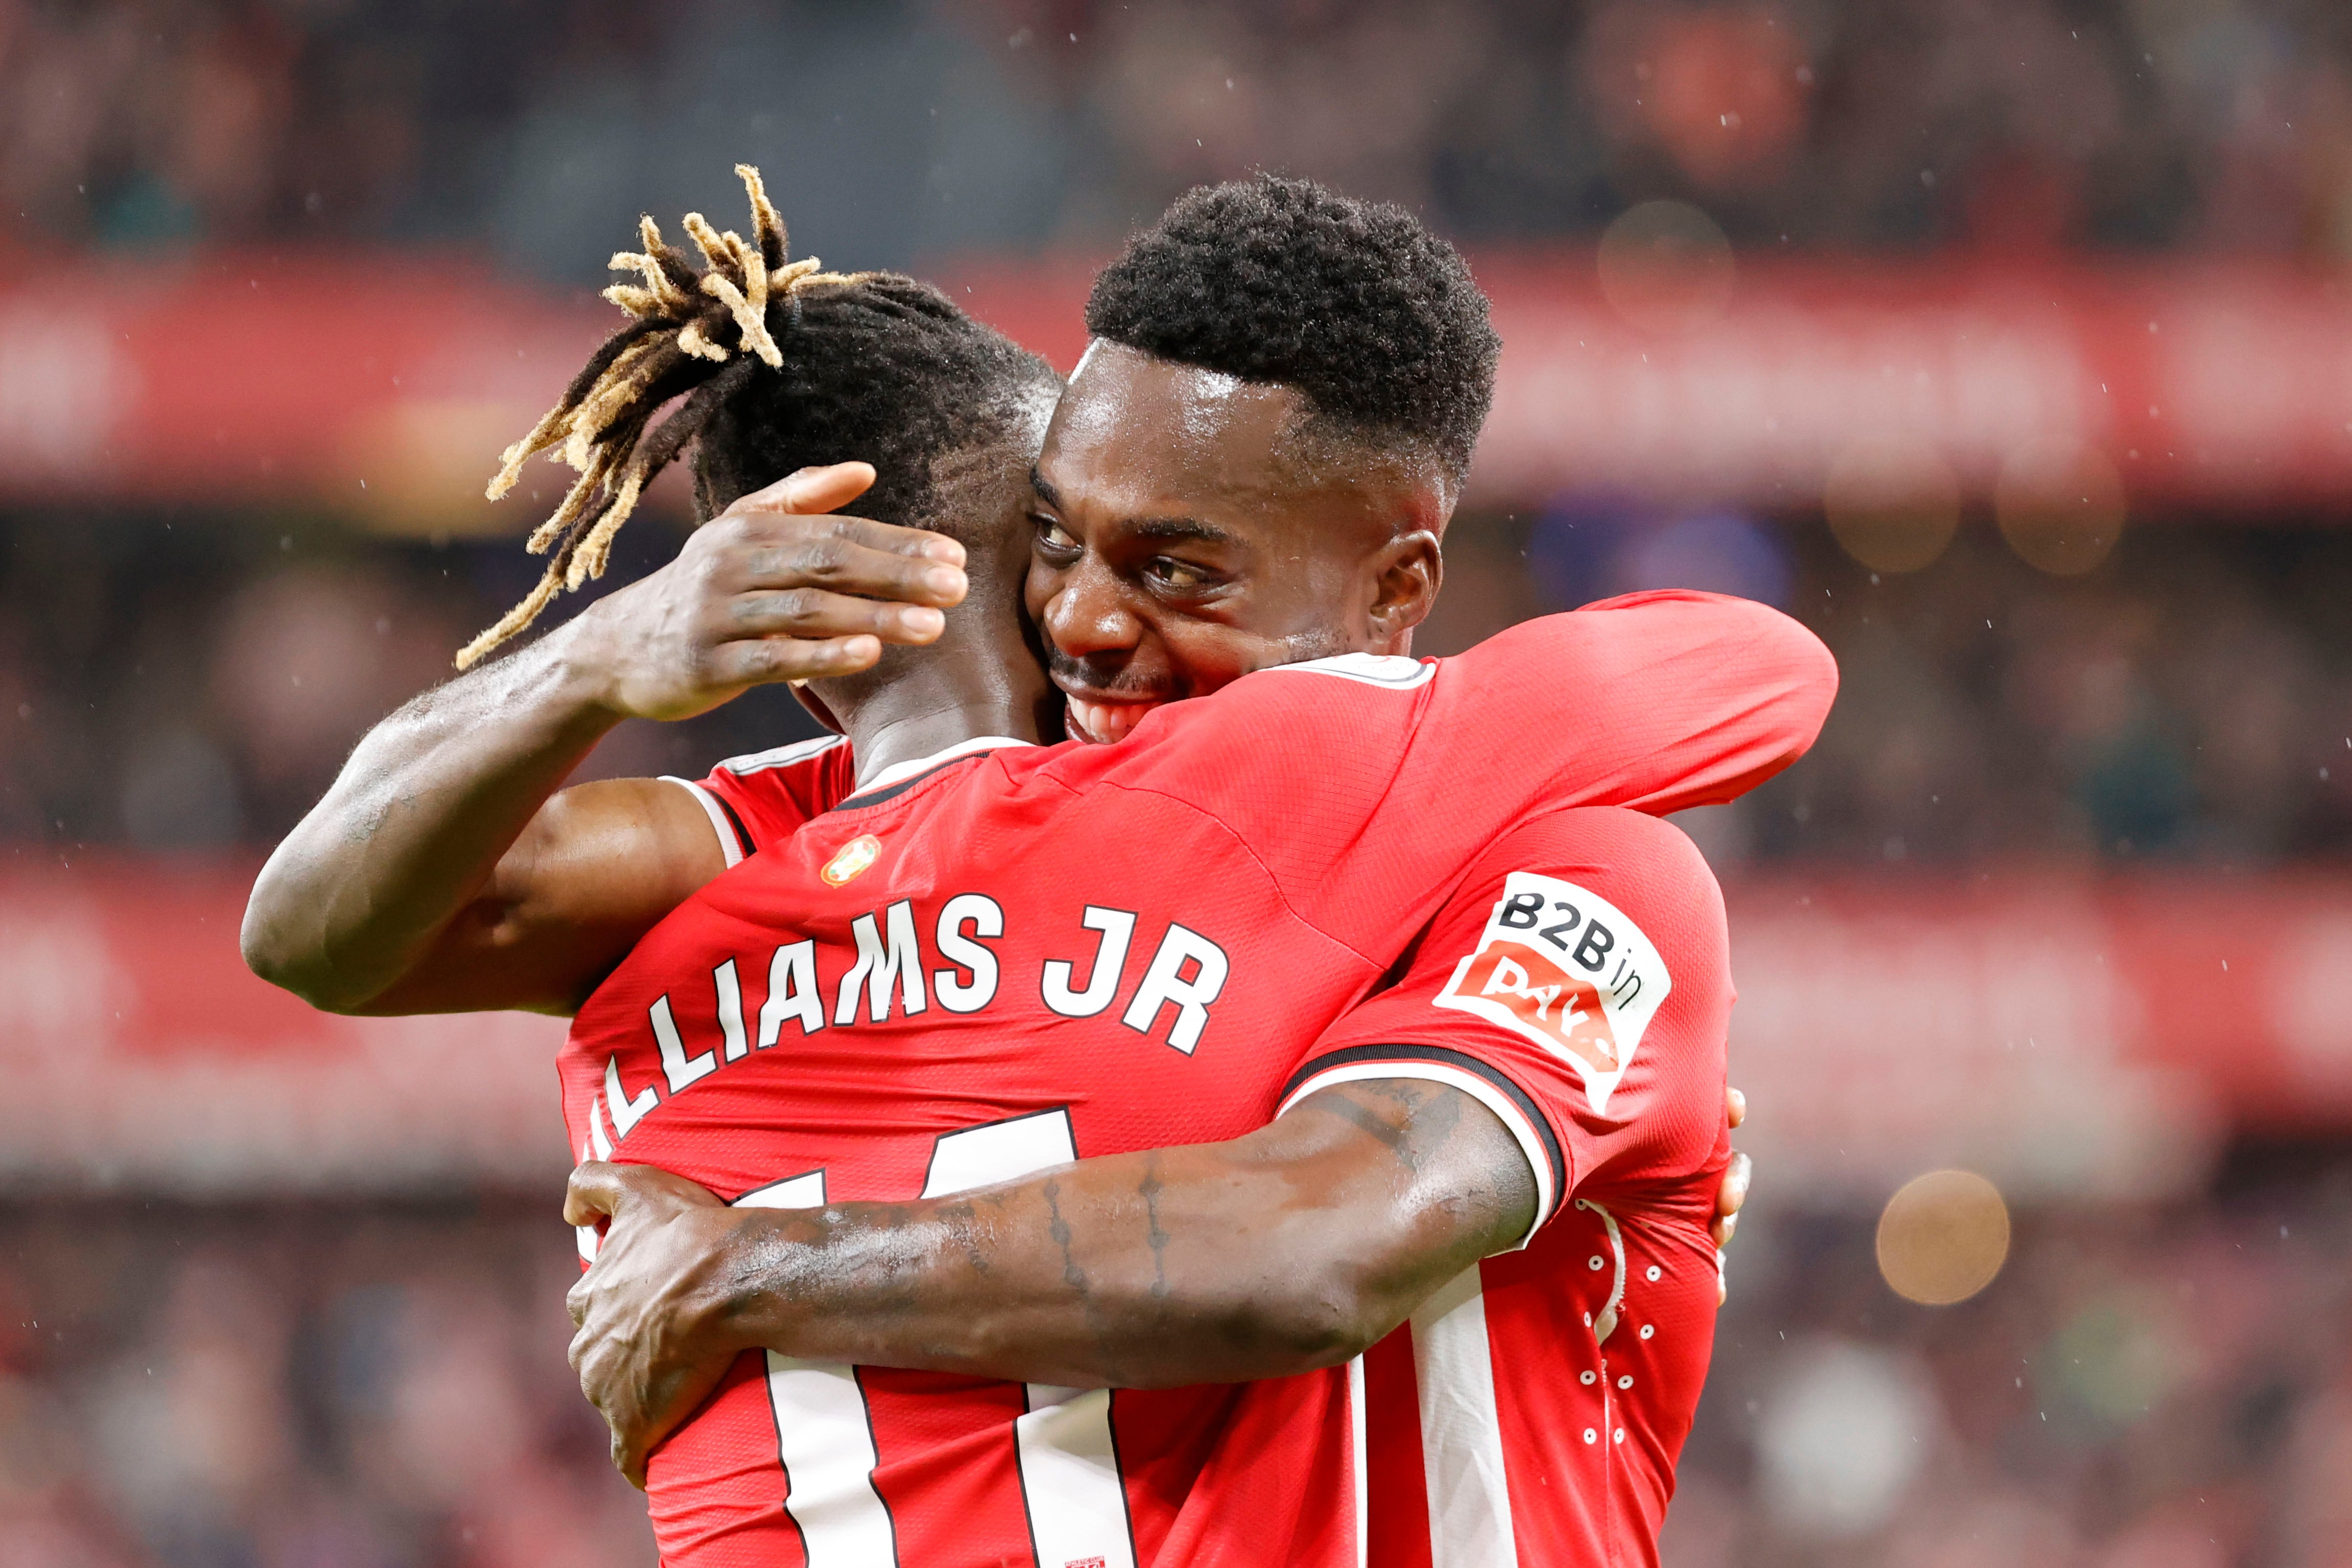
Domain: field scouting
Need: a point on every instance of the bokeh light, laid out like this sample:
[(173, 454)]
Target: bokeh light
[(1893, 504), (1665, 267), (2060, 505), (1943, 1236)]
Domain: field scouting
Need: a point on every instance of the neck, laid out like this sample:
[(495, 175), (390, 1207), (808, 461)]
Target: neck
[(937, 697), (885, 733)]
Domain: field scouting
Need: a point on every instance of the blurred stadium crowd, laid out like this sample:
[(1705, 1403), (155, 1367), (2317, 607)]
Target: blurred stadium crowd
[(2208, 124), (314, 1389)]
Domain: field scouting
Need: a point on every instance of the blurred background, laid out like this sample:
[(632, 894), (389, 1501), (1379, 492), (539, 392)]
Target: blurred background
[(2005, 342)]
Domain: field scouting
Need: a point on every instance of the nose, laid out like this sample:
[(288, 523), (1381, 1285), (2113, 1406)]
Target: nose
[(1088, 613)]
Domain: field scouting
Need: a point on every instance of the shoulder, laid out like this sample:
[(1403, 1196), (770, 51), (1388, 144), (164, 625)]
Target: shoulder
[(765, 796), (1603, 881), (1629, 846), (801, 756)]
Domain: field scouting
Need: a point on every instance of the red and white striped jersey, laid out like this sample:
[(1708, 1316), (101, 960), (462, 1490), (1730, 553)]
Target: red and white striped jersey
[(1532, 1411), (1023, 956)]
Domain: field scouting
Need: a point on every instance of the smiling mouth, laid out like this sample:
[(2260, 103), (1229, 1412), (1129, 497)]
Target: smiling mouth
[(1105, 723)]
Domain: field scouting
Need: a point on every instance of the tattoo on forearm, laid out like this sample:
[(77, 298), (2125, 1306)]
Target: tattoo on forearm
[(1059, 1229), (1150, 1188)]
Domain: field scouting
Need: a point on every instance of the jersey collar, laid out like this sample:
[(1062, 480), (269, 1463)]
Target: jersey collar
[(901, 772)]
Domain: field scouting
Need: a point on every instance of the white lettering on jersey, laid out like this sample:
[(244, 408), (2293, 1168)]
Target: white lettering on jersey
[(791, 992), (626, 1113), (730, 1010), (680, 1069), (986, 918), (1164, 982), (878, 966), (1118, 926), (1568, 969), (1186, 973)]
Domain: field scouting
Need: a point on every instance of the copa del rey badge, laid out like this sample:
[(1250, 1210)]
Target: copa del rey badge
[(1570, 971), (851, 860)]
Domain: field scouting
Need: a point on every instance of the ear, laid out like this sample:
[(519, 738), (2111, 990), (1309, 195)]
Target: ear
[(1405, 574)]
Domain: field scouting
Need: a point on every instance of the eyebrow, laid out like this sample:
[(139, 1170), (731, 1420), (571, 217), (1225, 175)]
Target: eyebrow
[(1179, 528), (1156, 528)]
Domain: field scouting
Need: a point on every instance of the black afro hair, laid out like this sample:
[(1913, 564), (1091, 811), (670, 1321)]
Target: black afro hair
[(1372, 319), (879, 367)]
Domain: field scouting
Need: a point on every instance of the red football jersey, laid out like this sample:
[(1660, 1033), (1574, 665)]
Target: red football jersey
[(1531, 1412), (763, 798), (1027, 955)]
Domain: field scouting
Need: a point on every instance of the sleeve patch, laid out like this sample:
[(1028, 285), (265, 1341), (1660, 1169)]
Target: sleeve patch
[(1568, 969)]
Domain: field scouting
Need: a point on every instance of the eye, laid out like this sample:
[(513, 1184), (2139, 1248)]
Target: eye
[(1182, 575), (1052, 537)]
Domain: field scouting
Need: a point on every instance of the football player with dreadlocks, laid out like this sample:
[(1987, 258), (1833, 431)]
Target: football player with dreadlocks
[(1365, 1105)]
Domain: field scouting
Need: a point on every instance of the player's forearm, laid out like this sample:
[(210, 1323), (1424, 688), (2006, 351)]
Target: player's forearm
[(414, 827), (1290, 1249)]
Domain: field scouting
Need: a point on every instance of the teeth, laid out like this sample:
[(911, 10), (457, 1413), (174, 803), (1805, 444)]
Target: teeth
[(1105, 723)]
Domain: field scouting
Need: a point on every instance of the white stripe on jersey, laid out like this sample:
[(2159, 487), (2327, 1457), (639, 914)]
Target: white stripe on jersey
[(729, 844), (780, 756), (1356, 1456), (1069, 1478), (1460, 1437), (822, 1435), (1393, 671), (1070, 1483)]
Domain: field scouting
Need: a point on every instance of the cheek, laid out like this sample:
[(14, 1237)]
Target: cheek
[(1203, 656), (1038, 588)]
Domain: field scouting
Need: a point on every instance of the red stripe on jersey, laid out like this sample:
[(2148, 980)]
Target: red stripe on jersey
[(948, 1474), (732, 1517), (1397, 1489)]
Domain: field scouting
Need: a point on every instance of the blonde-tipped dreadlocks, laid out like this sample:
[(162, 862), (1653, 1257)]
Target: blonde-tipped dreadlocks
[(705, 335)]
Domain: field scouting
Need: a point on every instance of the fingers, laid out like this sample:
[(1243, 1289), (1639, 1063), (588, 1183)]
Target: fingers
[(630, 1461), (775, 659), (808, 499), (852, 555), (812, 613), (594, 1191), (1733, 1192), (1730, 1194), (818, 489), (1735, 1106)]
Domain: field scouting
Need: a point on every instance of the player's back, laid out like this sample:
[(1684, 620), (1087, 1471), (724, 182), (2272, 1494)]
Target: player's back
[(1040, 953), (1020, 959)]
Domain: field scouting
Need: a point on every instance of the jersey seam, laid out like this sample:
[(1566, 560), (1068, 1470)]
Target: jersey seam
[(1280, 892)]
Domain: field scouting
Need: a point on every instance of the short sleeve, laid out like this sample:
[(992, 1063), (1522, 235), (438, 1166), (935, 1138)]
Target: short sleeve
[(766, 797), (1578, 983)]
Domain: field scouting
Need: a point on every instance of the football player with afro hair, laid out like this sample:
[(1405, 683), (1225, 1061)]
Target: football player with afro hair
[(1253, 465)]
